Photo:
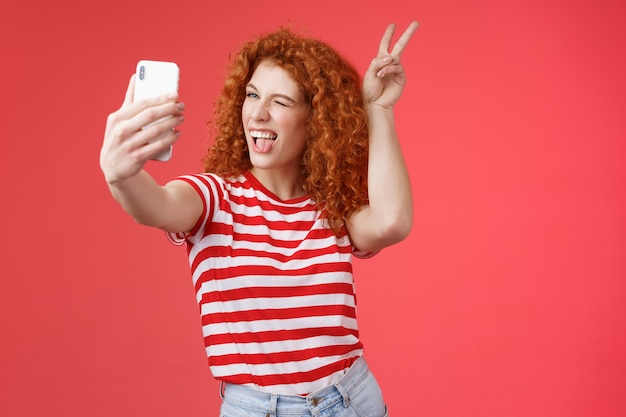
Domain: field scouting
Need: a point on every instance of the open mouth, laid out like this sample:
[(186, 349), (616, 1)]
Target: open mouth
[(263, 140)]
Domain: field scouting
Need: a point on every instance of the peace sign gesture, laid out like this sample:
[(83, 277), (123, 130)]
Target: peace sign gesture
[(385, 78)]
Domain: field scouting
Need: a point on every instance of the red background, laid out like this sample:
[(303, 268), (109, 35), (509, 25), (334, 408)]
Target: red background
[(508, 298)]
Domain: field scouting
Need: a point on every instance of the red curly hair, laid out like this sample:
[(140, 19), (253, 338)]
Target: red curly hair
[(334, 163)]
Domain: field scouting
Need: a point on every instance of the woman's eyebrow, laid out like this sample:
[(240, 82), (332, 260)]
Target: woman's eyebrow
[(283, 96)]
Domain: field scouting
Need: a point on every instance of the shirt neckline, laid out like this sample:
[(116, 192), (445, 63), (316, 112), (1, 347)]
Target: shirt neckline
[(256, 184)]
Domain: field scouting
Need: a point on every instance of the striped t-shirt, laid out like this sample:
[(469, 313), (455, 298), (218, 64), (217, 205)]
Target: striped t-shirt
[(274, 286)]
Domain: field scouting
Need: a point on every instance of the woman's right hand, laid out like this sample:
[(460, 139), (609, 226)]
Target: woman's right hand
[(126, 147)]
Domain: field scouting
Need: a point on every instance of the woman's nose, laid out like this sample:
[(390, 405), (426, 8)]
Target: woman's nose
[(260, 112)]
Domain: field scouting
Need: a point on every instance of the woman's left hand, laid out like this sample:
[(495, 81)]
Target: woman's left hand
[(385, 78)]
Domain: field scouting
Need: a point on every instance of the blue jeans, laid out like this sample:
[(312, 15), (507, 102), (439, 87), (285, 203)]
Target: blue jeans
[(356, 394)]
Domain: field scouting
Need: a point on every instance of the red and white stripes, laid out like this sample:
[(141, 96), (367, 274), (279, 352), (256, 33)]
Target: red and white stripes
[(274, 286)]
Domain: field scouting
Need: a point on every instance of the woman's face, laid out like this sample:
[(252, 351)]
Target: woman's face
[(274, 114)]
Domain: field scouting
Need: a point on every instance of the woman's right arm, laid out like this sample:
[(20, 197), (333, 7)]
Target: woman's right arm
[(174, 207)]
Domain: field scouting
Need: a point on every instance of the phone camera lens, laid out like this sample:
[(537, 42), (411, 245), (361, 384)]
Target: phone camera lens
[(142, 72)]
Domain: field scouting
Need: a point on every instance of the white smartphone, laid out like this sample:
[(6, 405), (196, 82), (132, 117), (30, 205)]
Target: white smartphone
[(155, 78)]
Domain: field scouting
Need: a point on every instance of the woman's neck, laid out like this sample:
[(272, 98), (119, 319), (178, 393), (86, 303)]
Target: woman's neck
[(286, 186)]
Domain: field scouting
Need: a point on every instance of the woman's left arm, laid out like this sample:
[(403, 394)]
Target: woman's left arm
[(388, 217)]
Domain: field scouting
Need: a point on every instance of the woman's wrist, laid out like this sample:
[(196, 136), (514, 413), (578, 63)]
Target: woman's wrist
[(375, 109)]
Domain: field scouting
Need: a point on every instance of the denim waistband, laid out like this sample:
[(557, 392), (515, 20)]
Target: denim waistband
[(314, 403)]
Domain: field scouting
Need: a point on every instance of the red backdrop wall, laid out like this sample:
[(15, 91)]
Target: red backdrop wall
[(508, 298)]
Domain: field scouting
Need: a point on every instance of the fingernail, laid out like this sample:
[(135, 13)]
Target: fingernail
[(181, 106)]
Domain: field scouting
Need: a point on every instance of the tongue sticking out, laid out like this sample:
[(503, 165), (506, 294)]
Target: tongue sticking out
[(264, 145)]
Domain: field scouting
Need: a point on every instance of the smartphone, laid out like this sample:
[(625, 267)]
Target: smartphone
[(155, 78)]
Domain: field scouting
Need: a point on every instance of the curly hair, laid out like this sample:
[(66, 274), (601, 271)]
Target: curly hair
[(334, 162)]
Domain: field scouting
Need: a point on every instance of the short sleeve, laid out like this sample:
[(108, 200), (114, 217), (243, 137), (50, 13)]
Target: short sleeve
[(207, 187)]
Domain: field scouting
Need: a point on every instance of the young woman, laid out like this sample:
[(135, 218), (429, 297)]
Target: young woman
[(305, 172)]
